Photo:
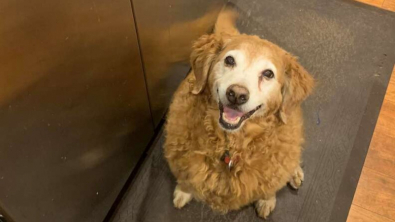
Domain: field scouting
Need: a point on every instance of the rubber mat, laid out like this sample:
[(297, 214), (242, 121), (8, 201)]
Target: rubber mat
[(350, 49)]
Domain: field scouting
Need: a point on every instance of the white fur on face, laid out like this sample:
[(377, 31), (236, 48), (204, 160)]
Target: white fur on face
[(247, 73)]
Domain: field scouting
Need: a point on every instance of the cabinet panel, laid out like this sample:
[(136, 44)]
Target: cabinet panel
[(74, 111), (166, 30)]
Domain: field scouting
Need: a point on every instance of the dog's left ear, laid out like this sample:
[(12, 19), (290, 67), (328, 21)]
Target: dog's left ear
[(204, 52), (298, 86)]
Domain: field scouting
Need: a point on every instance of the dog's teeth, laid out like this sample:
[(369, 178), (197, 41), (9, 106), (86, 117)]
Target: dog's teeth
[(231, 121)]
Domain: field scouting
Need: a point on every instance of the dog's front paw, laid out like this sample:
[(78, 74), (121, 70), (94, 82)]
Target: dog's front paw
[(181, 198), (297, 178), (265, 207)]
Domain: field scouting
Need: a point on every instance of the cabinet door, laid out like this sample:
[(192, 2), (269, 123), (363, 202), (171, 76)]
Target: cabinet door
[(166, 30), (74, 111)]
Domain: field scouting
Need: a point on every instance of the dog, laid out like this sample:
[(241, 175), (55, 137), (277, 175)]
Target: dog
[(234, 130)]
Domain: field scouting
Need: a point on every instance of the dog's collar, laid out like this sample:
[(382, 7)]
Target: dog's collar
[(228, 160), (226, 157)]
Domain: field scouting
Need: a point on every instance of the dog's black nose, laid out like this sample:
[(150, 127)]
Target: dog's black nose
[(237, 94)]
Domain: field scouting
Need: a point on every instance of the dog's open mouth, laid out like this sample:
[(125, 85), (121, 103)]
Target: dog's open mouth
[(232, 119)]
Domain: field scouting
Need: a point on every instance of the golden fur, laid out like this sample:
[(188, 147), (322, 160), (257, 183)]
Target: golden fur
[(269, 145)]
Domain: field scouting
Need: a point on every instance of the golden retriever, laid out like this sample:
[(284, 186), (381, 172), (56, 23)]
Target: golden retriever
[(234, 130)]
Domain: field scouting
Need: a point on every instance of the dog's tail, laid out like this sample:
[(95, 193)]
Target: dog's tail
[(226, 21)]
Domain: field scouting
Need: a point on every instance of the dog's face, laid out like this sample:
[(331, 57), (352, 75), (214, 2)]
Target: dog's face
[(248, 77)]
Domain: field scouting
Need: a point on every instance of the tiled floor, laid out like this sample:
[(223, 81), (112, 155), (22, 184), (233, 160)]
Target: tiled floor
[(374, 199)]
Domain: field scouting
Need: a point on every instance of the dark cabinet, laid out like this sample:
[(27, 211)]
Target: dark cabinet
[(75, 114), (166, 30)]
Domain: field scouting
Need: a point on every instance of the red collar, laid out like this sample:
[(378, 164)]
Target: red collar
[(228, 160)]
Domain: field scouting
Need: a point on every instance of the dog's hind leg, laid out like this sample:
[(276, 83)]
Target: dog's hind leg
[(297, 178), (265, 206), (181, 198)]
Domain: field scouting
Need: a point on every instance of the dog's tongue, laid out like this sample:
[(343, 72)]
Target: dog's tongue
[(231, 113)]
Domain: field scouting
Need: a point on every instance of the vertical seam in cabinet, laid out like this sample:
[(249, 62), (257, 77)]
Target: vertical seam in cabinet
[(142, 62)]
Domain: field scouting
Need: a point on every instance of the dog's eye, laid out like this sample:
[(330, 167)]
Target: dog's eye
[(230, 61), (268, 73)]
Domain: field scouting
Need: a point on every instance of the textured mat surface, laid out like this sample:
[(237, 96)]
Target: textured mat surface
[(350, 49)]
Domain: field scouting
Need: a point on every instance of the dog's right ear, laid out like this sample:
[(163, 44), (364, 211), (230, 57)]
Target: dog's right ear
[(204, 52), (206, 49)]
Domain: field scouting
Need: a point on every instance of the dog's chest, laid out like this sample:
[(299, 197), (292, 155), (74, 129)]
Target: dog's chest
[(231, 171), (235, 153)]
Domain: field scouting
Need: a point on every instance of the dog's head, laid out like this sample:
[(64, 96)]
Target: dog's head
[(248, 77)]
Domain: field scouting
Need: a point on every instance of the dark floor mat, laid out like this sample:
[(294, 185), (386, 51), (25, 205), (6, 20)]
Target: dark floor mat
[(350, 49)]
